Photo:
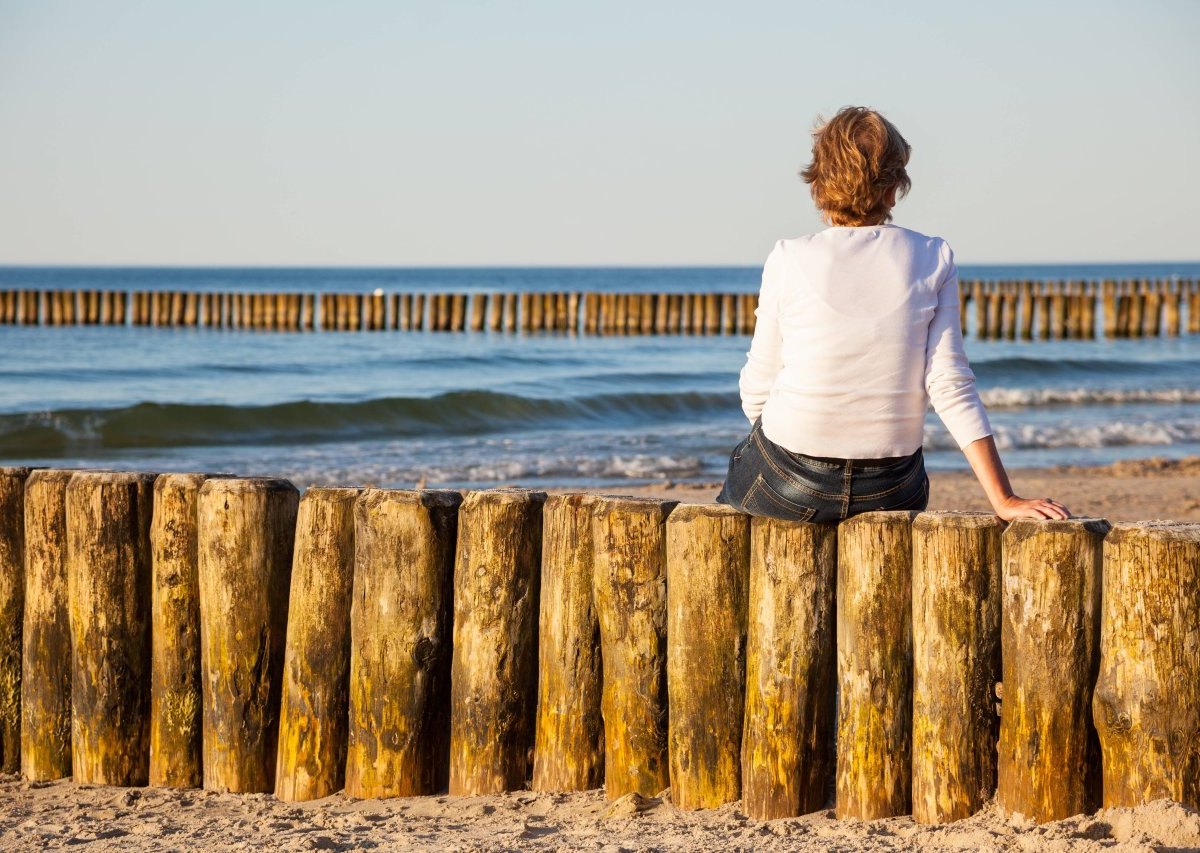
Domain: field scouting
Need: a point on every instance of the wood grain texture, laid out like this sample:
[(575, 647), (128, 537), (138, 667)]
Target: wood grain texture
[(175, 696), (630, 592), (46, 631), (1146, 704), (311, 760), (788, 735), (956, 663), (569, 739), (400, 642), (874, 637), (1049, 758), (708, 575), (108, 579), (12, 612), (246, 531), (493, 704)]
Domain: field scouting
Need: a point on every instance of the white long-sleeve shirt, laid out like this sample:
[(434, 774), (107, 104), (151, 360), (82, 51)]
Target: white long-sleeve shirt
[(857, 333)]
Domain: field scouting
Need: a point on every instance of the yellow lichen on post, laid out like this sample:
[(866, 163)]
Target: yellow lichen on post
[(630, 592), (46, 631), (12, 610), (246, 530), (874, 640), (956, 663), (1146, 704), (569, 739), (311, 759), (708, 573), (493, 680), (175, 701), (788, 737), (1048, 763), (108, 578), (400, 642)]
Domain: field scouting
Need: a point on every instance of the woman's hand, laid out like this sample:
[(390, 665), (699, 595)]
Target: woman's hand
[(1015, 507), (985, 462)]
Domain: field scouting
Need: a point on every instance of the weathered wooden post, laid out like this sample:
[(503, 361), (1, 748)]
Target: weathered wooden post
[(569, 739), (400, 642), (316, 660), (478, 311), (956, 663), (46, 631), (629, 589), (494, 674), (874, 640), (708, 575), (1147, 699), (419, 322), (175, 695), (788, 736), (246, 530), (1048, 764), (108, 579), (495, 312), (12, 610)]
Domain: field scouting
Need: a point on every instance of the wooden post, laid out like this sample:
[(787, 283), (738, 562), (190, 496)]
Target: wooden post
[(675, 312), (1049, 763), (419, 323), (569, 739), (46, 631), (646, 324), (175, 697), (400, 642), (246, 530), (1089, 311), (1147, 699), (1174, 299), (574, 301), (629, 588), (956, 663), (478, 311), (457, 311), (495, 311), (1154, 304), (997, 296), (494, 676), (313, 708), (12, 609), (708, 575), (1009, 306), (534, 318), (788, 738), (591, 313), (108, 578), (510, 312), (874, 641)]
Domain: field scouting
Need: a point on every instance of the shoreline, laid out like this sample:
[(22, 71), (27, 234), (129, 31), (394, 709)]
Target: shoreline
[(1153, 488)]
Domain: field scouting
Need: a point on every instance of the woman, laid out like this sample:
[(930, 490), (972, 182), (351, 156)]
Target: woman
[(857, 332)]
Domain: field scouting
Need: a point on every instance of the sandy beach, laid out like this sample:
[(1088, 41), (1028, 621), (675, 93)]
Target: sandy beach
[(1131, 490), (61, 815)]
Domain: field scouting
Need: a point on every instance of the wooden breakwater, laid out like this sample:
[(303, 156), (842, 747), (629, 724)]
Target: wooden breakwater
[(1013, 310), (188, 630)]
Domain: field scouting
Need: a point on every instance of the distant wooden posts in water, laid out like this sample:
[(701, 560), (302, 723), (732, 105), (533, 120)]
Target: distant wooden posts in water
[(991, 310)]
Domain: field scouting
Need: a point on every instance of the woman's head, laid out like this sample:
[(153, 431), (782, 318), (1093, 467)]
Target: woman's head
[(857, 168)]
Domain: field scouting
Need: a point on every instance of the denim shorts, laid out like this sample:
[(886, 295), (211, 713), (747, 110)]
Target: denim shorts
[(766, 479)]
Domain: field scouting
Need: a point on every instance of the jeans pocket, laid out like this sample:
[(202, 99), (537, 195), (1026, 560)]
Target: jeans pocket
[(763, 499), (920, 499)]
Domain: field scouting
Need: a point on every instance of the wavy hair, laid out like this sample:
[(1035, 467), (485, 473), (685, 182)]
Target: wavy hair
[(858, 156)]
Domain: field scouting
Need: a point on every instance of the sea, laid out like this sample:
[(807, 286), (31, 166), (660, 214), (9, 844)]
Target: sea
[(474, 410)]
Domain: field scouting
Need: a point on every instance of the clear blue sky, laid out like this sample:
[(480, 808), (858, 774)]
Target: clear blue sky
[(466, 133)]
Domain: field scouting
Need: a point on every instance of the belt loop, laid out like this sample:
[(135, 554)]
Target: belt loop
[(846, 487)]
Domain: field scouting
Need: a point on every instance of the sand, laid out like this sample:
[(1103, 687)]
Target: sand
[(58, 815), (1132, 490)]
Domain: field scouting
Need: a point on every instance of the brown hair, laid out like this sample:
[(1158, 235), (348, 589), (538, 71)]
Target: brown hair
[(858, 156)]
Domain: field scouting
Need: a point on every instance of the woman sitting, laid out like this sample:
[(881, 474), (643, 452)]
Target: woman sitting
[(857, 332)]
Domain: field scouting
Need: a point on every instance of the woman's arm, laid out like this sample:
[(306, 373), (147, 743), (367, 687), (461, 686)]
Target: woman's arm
[(985, 462), (764, 359)]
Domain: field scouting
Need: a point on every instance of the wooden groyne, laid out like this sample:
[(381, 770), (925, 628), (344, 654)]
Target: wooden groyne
[(1002, 310), (225, 632)]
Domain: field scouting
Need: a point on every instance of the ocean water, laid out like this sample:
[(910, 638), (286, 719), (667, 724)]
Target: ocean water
[(485, 409)]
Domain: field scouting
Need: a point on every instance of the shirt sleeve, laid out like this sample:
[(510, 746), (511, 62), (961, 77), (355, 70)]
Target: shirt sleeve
[(949, 380), (764, 360)]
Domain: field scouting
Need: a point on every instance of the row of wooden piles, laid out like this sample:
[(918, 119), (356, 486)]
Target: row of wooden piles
[(1002, 310), (594, 313), (187, 630), (1068, 309)]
